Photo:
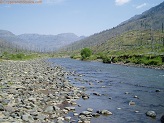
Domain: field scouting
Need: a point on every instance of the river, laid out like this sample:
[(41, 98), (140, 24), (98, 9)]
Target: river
[(117, 86)]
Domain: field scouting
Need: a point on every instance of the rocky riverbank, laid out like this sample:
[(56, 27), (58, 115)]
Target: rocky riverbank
[(34, 91)]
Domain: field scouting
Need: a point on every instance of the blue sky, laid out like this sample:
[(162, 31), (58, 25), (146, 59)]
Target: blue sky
[(82, 17)]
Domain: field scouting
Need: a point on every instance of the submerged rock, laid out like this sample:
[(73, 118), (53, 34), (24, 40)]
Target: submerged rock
[(132, 103), (85, 96), (104, 112), (97, 94), (85, 113), (151, 114), (157, 90), (162, 119)]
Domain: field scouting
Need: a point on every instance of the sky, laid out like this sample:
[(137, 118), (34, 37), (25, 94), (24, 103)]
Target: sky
[(81, 17)]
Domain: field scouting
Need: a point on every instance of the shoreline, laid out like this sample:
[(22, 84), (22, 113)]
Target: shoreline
[(34, 91), (140, 66), (131, 64)]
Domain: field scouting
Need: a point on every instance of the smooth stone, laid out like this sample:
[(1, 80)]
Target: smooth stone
[(85, 113), (127, 93), (60, 120), (106, 112), (97, 94), (95, 115), (132, 103), (157, 90), (49, 109), (69, 108), (68, 118), (2, 115), (151, 113), (90, 109), (75, 114), (73, 103), (85, 97), (32, 99), (27, 118), (135, 96), (56, 108), (41, 117), (65, 111)]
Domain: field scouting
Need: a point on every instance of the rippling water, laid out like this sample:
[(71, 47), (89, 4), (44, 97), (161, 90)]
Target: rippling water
[(112, 81)]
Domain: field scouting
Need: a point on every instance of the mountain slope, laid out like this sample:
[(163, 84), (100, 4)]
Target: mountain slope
[(151, 19), (38, 42)]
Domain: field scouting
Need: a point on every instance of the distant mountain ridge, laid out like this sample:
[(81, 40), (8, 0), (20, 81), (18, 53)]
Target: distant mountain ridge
[(150, 19), (39, 42)]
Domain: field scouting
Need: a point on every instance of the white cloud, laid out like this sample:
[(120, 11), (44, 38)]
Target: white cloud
[(141, 6), (121, 2)]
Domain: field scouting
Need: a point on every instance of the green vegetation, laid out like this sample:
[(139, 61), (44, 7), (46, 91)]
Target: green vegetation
[(137, 47), (136, 59), (85, 53), (17, 56)]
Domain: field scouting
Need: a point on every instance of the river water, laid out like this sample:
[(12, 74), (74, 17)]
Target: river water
[(117, 86)]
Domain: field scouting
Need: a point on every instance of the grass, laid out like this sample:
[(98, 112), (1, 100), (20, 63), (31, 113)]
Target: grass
[(18, 56)]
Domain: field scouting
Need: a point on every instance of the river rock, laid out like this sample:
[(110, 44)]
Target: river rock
[(27, 118), (85, 113), (85, 96), (90, 109), (97, 94), (106, 112), (68, 118), (75, 114), (132, 103), (1, 107), (95, 115), (162, 119), (69, 108), (41, 117), (49, 109), (151, 113), (34, 91), (157, 90), (60, 120), (127, 93), (136, 96)]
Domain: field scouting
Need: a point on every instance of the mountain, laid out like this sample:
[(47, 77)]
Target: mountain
[(48, 42), (9, 42), (6, 33), (39, 42), (151, 19)]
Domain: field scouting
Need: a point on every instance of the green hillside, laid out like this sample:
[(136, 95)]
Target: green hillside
[(133, 42), (151, 19)]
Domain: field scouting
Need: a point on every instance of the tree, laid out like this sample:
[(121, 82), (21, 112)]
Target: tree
[(85, 53), (162, 27)]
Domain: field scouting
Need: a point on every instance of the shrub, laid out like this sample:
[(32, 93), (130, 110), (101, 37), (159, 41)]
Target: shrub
[(106, 59), (85, 53)]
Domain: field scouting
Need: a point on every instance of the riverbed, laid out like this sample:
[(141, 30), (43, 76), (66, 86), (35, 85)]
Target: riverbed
[(113, 87)]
